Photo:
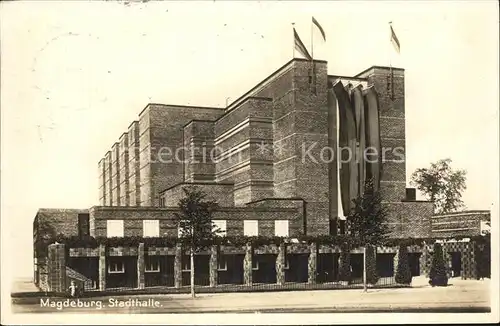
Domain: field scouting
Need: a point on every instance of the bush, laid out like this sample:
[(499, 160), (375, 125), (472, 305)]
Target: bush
[(345, 266), (437, 273), (372, 276), (403, 273)]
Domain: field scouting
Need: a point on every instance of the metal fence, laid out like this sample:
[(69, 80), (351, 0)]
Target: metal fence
[(202, 285)]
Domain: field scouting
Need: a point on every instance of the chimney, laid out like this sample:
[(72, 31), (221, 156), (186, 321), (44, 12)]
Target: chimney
[(411, 194)]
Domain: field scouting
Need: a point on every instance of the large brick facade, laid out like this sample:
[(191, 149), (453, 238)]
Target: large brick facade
[(255, 149)]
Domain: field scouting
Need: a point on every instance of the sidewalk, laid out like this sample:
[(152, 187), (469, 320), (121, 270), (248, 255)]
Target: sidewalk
[(460, 296), (24, 285)]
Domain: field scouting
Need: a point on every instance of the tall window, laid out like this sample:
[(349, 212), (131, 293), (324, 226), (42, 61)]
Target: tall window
[(114, 228), (251, 228), (255, 263), (186, 263), (333, 226), (83, 225), (151, 228), (221, 225), (222, 263), (281, 228)]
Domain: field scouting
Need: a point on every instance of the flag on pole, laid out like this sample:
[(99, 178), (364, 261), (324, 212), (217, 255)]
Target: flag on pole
[(395, 41), (300, 46), (315, 22)]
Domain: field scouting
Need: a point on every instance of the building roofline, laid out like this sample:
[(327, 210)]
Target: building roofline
[(180, 106), (415, 201), (133, 122), (52, 210), (265, 80), (176, 209), (280, 198), (196, 120), (243, 101), (347, 77), (378, 67), (475, 211), (198, 183)]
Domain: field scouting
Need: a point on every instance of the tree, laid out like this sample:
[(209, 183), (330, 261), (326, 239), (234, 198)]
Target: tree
[(437, 273), (403, 272), (367, 225), (196, 228), (442, 185), (345, 265), (372, 276), (367, 218)]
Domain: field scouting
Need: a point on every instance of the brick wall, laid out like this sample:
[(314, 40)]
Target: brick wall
[(311, 127), (392, 127), (133, 164), (123, 160), (199, 163), (467, 223), (108, 184), (161, 126), (115, 174), (410, 219), (56, 268), (101, 182), (134, 216), (63, 221), (222, 193), (240, 134)]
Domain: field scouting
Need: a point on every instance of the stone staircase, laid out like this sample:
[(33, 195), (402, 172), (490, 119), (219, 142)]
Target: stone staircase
[(88, 284)]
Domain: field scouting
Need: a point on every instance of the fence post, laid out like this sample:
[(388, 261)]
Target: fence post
[(247, 265), (425, 260), (102, 267), (140, 266), (178, 266), (213, 266), (280, 264), (396, 262), (57, 267), (469, 262), (312, 264)]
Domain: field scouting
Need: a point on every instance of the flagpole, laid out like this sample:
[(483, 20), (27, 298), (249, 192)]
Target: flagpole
[(390, 64), (293, 41), (313, 70), (312, 42)]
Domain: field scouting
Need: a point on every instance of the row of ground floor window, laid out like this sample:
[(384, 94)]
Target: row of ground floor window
[(160, 270), (138, 267)]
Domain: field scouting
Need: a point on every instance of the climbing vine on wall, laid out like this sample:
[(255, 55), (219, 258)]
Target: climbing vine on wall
[(342, 241)]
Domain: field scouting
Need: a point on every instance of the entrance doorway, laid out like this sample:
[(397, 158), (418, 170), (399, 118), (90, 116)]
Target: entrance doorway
[(456, 264)]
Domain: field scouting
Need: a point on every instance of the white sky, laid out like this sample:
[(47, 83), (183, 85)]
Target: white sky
[(75, 74)]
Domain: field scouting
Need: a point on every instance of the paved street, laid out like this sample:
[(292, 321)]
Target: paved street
[(460, 296)]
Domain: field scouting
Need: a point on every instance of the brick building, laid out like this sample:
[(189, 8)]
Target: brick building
[(221, 151), (262, 159)]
